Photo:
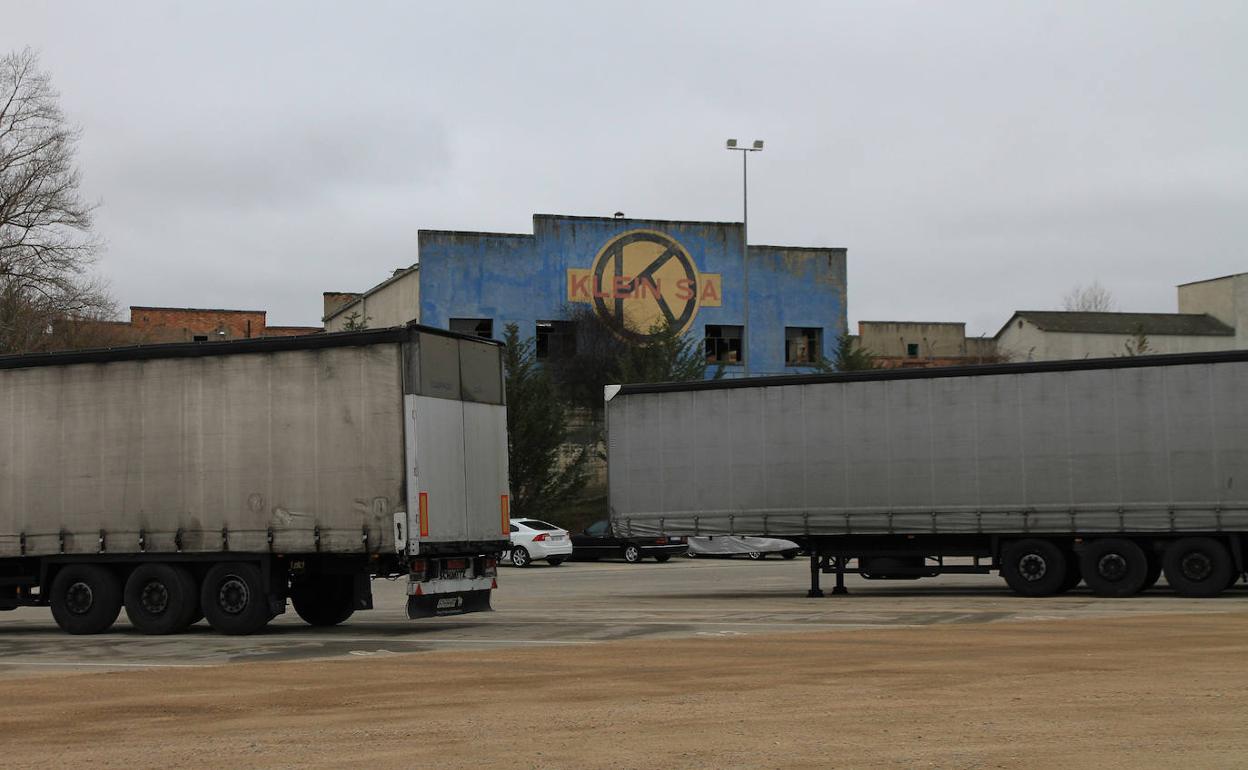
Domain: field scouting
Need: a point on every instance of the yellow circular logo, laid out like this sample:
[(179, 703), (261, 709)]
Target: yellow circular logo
[(641, 279)]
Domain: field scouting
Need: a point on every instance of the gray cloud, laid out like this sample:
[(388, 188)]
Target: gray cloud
[(974, 158)]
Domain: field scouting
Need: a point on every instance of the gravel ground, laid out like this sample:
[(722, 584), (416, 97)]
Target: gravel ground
[(1123, 691)]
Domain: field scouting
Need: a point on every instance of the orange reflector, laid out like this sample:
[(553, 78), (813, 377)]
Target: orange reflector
[(424, 514), (505, 507)]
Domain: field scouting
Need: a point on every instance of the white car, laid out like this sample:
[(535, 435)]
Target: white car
[(535, 539)]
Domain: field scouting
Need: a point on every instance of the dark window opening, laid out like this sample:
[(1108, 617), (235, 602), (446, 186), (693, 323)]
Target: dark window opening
[(723, 344), (200, 338), (802, 345), (912, 349), (480, 327), (555, 340)]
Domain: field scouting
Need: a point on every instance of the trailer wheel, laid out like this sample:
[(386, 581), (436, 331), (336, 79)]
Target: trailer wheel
[(324, 600), (161, 598), (1114, 566), (1198, 566), (233, 599), (1034, 567), (86, 599)]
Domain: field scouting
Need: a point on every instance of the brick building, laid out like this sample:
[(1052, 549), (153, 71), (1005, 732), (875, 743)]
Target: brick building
[(188, 324)]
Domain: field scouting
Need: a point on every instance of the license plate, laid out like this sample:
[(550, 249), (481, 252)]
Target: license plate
[(450, 602), (556, 537), (454, 574)]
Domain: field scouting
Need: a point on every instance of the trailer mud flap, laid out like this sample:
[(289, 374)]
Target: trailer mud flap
[(459, 603)]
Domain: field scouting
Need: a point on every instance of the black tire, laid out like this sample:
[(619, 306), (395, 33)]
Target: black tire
[(788, 555), (85, 599), (555, 561), (233, 599), (324, 600), (1034, 567), (631, 554), (1197, 566), (662, 557), (1114, 567), (520, 557), (756, 555), (161, 598)]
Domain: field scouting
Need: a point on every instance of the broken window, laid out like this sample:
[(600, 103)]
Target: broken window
[(554, 340), (803, 345), (723, 344), (480, 327)]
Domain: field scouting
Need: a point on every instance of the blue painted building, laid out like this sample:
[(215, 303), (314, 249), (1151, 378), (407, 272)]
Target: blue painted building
[(633, 273)]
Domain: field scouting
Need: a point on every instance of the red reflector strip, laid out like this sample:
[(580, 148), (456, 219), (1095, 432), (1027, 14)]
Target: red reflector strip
[(456, 564), (424, 514), (505, 506)]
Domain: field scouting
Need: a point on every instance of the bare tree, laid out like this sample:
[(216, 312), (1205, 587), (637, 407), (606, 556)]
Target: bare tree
[(1092, 298), (46, 244)]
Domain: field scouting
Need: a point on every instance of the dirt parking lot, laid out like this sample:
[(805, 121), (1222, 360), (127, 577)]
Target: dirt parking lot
[(693, 664)]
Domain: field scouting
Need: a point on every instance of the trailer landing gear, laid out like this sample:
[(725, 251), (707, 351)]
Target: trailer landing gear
[(820, 564)]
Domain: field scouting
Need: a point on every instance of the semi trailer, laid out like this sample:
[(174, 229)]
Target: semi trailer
[(219, 480), (1109, 472)]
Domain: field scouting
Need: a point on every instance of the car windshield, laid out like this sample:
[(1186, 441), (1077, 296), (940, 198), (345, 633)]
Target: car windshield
[(538, 525)]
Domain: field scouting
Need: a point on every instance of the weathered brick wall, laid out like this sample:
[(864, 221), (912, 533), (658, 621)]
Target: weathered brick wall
[(184, 324)]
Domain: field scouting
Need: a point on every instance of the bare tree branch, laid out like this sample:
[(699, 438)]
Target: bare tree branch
[(46, 244), (1092, 298)]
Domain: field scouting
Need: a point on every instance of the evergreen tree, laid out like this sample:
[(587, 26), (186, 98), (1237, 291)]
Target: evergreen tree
[(848, 356), (537, 429)]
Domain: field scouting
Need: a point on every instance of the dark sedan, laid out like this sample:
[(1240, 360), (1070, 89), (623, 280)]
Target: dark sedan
[(597, 541)]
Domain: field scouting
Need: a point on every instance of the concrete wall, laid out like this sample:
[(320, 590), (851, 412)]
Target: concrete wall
[(1226, 299), (1023, 341), (576, 261), (393, 303), (892, 338)]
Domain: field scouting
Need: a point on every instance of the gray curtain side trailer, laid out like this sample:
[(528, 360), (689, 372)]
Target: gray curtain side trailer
[(1109, 471), (219, 479)]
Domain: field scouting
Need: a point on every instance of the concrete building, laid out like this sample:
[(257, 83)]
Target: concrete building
[(1225, 298), (631, 273), (1213, 315), (897, 344), (1037, 335)]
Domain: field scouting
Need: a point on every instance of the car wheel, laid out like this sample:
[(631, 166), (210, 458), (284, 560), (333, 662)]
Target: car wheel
[(233, 599), (632, 554), (662, 557), (756, 555), (86, 599), (555, 561), (324, 600), (520, 556), (1197, 566), (1114, 566), (161, 598)]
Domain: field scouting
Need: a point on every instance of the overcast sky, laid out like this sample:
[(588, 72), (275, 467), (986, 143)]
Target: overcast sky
[(975, 158)]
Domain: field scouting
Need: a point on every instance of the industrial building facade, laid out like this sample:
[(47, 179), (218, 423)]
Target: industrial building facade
[(636, 275)]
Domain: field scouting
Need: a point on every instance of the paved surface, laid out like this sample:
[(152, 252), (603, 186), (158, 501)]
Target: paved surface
[(586, 603)]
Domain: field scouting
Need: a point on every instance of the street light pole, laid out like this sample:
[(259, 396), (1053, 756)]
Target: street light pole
[(756, 146)]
